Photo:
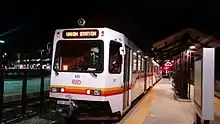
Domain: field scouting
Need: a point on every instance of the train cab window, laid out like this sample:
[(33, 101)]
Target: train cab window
[(134, 62), (79, 56), (139, 63), (142, 67), (115, 58)]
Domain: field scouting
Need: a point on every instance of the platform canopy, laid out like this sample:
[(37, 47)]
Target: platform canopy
[(170, 47)]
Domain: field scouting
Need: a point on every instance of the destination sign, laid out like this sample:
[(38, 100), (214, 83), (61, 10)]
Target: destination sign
[(80, 34)]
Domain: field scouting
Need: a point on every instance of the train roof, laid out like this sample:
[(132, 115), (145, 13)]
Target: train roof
[(128, 40), (111, 30)]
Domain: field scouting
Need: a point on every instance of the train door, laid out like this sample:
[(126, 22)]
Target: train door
[(126, 77), (152, 73), (145, 75)]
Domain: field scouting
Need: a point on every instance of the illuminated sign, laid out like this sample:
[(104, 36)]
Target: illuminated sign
[(166, 68), (168, 64), (80, 34)]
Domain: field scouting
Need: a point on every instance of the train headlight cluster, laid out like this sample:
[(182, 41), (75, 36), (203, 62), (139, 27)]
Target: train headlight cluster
[(58, 90), (54, 89), (93, 92), (97, 92)]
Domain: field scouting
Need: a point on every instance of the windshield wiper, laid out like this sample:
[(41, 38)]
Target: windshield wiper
[(93, 74), (56, 72)]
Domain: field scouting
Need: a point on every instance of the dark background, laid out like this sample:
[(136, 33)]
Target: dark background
[(27, 26)]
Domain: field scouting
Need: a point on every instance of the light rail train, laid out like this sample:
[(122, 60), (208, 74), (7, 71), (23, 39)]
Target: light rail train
[(98, 73)]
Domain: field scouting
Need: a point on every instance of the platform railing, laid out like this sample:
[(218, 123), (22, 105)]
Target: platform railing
[(24, 94)]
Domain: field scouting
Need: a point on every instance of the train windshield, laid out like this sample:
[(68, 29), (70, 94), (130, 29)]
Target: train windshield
[(79, 56)]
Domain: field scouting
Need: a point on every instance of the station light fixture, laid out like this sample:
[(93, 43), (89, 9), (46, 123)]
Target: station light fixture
[(192, 47), (2, 41)]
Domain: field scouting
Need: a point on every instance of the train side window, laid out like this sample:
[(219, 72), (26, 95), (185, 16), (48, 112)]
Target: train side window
[(142, 69), (148, 70), (152, 69), (149, 66), (139, 63), (134, 62), (115, 58)]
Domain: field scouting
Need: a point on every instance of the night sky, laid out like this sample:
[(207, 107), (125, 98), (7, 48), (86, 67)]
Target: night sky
[(31, 25)]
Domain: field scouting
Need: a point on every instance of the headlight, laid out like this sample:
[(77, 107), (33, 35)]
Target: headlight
[(88, 92), (62, 89), (97, 92), (54, 89), (58, 90)]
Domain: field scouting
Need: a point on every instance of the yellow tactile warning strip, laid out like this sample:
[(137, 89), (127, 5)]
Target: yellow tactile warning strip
[(217, 101), (217, 105), (142, 111)]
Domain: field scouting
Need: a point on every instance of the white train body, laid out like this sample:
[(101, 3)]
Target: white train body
[(113, 75)]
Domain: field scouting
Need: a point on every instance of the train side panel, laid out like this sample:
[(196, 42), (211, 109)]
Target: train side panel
[(149, 74), (114, 79), (138, 76)]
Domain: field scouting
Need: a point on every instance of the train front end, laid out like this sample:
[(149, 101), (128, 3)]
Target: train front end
[(78, 76)]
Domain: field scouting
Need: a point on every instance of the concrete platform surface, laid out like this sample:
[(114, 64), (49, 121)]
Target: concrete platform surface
[(165, 110)]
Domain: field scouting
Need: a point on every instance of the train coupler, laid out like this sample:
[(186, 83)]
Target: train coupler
[(66, 108)]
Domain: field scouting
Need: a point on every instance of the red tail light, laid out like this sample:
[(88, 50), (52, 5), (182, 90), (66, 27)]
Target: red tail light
[(58, 34)]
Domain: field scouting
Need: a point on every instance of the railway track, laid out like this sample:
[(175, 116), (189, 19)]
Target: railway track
[(47, 116), (12, 113)]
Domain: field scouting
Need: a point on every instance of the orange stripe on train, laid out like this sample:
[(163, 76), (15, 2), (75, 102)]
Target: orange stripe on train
[(104, 91), (82, 90)]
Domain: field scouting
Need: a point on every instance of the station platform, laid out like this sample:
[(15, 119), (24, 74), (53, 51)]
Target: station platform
[(160, 107)]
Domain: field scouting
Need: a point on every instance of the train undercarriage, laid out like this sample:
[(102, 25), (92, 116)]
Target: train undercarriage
[(83, 111)]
